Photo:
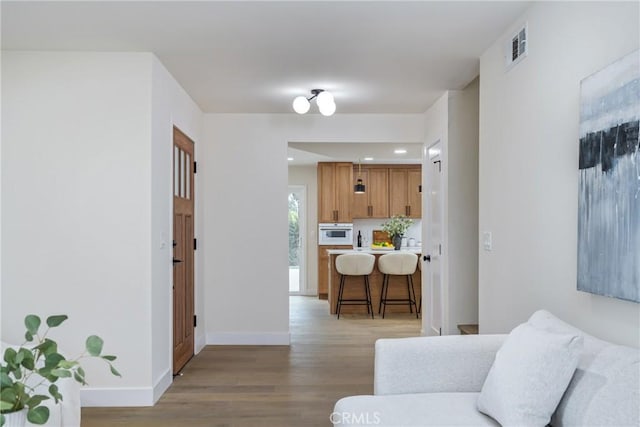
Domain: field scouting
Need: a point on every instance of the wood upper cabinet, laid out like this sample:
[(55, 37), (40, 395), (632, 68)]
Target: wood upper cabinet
[(335, 192), (414, 195), (405, 197), (374, 203)]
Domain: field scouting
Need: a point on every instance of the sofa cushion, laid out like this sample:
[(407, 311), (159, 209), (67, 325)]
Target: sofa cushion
[(413, 409), (605, 389), (530, 373)]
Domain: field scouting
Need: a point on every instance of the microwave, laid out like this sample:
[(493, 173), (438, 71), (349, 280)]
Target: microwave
[(335, 234)]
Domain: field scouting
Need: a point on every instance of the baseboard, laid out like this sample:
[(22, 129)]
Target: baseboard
[(126, 396), (200, 342), (248, 338), (162, 385)]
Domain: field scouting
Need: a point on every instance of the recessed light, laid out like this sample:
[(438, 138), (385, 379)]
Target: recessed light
[(368, 159), (400, 151), (290, 159)]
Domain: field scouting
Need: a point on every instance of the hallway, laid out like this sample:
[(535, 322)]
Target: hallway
[(238, 386)]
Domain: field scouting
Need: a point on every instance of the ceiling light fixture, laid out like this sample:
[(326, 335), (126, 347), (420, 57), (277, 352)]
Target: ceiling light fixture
[(359, 187), (290, 159), (324, 99), (400, 151), (368, 159)]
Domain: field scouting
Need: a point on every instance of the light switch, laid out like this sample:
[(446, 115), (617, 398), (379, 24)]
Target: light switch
[(486, 240)]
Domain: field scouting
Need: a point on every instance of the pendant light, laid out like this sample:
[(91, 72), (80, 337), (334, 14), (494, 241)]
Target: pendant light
[(324, 99), (359, 188)]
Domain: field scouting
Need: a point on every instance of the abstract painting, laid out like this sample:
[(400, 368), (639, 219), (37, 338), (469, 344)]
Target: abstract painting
[(609, 182)]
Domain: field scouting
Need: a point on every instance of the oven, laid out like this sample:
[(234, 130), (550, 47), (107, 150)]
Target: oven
[(335, 234)]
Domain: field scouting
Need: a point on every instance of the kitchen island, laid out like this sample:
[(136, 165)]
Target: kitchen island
[(354, 287)]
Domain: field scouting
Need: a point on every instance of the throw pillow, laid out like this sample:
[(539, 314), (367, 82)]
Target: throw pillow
[(530, 373)]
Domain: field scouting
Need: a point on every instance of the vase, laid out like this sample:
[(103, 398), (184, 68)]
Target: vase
[(397, 242), (15, 419)]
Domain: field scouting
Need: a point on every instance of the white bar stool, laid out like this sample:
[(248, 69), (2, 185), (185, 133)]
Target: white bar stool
[(398, 264), (356, 264)]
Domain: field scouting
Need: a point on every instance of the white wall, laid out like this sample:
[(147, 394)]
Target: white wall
[(308, 177), (170, 106), (244, 165), (462, 206), (76, 175), (453, 120), (86, 198), (529, 168)]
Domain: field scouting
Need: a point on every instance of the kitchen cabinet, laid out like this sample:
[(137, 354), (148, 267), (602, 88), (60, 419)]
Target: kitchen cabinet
[(405, 197), (323, 268), (335, 192), (374, 203), (414, 195)]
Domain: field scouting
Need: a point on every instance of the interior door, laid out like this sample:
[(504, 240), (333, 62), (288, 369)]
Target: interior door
[(434, 314), (183, 250)]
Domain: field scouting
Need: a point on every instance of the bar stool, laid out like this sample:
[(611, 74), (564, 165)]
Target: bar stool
[(398, 264), (356, 264)]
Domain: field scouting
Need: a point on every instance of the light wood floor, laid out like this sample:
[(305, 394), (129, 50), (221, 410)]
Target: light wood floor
[(298, 385)]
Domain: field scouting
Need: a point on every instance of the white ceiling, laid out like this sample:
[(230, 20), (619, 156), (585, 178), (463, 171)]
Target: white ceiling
[(255, 57), (310, 153)]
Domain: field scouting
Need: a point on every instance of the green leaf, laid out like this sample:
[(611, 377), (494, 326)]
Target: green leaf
[(5, 380), (79, 378), (2, 420), (67, 364), (38, 415), (10, 355), (5, 405), (81, 371), (53, 391), (28, 336), (32, 322), (114, 371), (61, 373), (9, 395), (53, 321), (94, 345), (19, 357), (47, 347), (109, 358), (27, 358), (52, 360), (36, 400)]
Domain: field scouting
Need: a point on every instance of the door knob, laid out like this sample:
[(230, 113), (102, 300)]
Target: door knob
[(427, 258), (175, 261)]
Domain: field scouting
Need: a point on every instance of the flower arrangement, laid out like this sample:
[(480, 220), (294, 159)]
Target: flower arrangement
[(37, 363), (397, 225)]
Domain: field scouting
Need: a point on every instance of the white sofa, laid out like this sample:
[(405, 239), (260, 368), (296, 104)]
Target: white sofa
[(436, 381)]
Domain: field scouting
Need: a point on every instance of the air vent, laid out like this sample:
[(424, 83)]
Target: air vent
[(517, 47)]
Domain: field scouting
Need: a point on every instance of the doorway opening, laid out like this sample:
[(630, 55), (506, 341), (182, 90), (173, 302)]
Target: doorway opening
[(297, 240)]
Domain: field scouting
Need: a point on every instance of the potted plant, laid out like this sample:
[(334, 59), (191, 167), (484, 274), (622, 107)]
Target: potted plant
[(395, 227), (29, 373)]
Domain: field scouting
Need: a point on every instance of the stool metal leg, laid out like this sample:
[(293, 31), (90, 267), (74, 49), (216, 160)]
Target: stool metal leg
[(340, 291), (367, 289), (386, 293), (384, 276), (409, 295), (414, 295)]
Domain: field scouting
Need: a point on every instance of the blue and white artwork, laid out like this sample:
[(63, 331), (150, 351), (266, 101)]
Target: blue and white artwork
[(609, 183)]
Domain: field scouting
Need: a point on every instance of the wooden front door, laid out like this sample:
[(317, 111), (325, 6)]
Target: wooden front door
[(183, 250)]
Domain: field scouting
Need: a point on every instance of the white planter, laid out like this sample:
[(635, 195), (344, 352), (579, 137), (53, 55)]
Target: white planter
[(16, 419)]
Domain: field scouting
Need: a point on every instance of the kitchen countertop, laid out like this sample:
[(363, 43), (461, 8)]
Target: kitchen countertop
[(412, 249)]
